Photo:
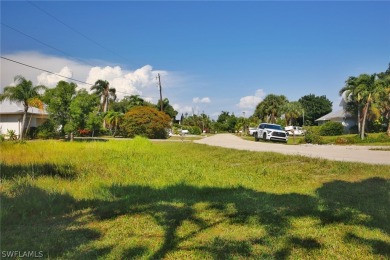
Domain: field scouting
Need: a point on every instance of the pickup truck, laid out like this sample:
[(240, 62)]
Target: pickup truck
[(270, 132), (294, 130)]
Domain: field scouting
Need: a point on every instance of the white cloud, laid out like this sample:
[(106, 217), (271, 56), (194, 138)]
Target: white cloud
[(51, 80), (141, 81), (125, 82), (182, 109), (250, 102), (201, 100)]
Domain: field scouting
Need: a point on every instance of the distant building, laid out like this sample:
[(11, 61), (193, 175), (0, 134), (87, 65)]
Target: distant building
[(11, 117), (341, 116)]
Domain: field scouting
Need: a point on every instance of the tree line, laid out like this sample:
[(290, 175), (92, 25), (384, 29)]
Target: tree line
[(72, 111)]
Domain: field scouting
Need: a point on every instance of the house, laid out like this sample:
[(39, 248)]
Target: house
[(339, 116), (11, 117)]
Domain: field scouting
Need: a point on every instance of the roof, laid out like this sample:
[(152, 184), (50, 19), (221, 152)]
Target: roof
[(7, 108), (339, 114)]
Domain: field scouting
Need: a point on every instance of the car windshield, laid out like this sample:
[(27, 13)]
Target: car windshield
[(276, 127)]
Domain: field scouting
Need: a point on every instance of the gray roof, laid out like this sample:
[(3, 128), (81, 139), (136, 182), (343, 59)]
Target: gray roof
[(339, 114), (7, 108)]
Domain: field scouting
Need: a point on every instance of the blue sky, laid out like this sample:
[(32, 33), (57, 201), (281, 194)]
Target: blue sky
[(212, 56)]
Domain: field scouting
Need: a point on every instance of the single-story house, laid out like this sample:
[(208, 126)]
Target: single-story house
[(339, 116), (11, 117)]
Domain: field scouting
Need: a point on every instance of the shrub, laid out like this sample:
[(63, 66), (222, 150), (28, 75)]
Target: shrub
[(145, 121), (47, 130), (331, 129), (312, 137)]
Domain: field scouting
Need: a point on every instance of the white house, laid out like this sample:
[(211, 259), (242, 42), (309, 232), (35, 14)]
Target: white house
[(339, 116), (345, 118), (11, 117)]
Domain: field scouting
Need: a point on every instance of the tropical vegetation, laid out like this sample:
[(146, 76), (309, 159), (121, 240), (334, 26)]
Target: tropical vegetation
[(25, 93)]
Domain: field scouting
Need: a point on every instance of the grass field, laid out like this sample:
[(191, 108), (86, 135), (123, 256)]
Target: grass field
[(180, 200)]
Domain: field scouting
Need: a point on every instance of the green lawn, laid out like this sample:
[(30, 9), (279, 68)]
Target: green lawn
[(180, 200)]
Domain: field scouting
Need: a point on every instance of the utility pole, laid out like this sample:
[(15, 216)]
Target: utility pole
[(159, 85)]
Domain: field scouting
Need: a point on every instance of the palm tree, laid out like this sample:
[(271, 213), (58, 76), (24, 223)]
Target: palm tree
[(102, 89), (292, 111), (113, 119), (135, 101), (271, 107), (23, 92), (363, 91), (352, 97)]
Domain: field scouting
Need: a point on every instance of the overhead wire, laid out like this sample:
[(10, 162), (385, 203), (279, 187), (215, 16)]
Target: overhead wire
[(76, 31), (59, 75), (47, 45)]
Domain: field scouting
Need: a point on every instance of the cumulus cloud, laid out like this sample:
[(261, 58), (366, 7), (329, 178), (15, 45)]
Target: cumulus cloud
[(125, 82), (182, 109), (141, 81), (250, 102), (51, 80), (201, 100)]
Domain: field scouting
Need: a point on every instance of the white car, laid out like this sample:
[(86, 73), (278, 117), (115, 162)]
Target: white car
[(270, 132)]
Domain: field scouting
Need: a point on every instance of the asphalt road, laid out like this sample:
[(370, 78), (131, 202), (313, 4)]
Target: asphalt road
[(348, 153)]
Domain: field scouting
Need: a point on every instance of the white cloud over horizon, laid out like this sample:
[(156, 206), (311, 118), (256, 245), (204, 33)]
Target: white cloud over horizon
[(141, 81), (197, 100), (250, 102)]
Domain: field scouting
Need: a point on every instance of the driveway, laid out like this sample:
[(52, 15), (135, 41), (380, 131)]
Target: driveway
[(348, 153)]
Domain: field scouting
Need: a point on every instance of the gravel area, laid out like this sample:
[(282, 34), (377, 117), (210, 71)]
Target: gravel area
[(348, 153)]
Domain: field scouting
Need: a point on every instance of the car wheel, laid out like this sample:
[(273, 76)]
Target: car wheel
[(265, 137)]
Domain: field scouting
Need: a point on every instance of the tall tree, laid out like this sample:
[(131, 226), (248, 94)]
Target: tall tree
[(23, 92), (383, 83), (271, 107), (363, 91), (167, 108), (314, 107), (103, 90), (58, 102), (292, 110), (113, 119)]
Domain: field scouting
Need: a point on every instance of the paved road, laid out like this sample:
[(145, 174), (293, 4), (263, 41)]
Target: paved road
[(331, 152)]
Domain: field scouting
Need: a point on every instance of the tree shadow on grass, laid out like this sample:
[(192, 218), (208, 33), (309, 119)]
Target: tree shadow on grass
[(171, 206), (34, 218), (65, 171), (365, 203)]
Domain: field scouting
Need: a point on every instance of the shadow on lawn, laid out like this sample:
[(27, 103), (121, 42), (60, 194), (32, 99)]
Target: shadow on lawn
[(65, 171), (33, 209)]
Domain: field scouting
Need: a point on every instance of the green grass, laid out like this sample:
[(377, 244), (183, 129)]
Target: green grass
[(180, 200)]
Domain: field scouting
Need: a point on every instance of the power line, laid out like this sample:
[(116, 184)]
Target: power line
[(21, 63), (74, 30), (41, 42), (50, 72)]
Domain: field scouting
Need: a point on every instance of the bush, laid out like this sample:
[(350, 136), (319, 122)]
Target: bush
[(331, 129), (47, 130), (145, 121), (312, 137), (193, 130)]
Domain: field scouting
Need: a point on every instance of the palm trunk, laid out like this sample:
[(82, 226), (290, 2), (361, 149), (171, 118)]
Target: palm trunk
[(23, 122), (388, 129), (364, 117), (28, 126)]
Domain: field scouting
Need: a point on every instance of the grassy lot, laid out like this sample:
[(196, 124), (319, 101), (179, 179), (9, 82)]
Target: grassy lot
[(180, 200)]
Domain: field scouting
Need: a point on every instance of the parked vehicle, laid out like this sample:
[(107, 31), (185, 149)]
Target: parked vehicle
[(252, 130), (294, 130), (270, 132)]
